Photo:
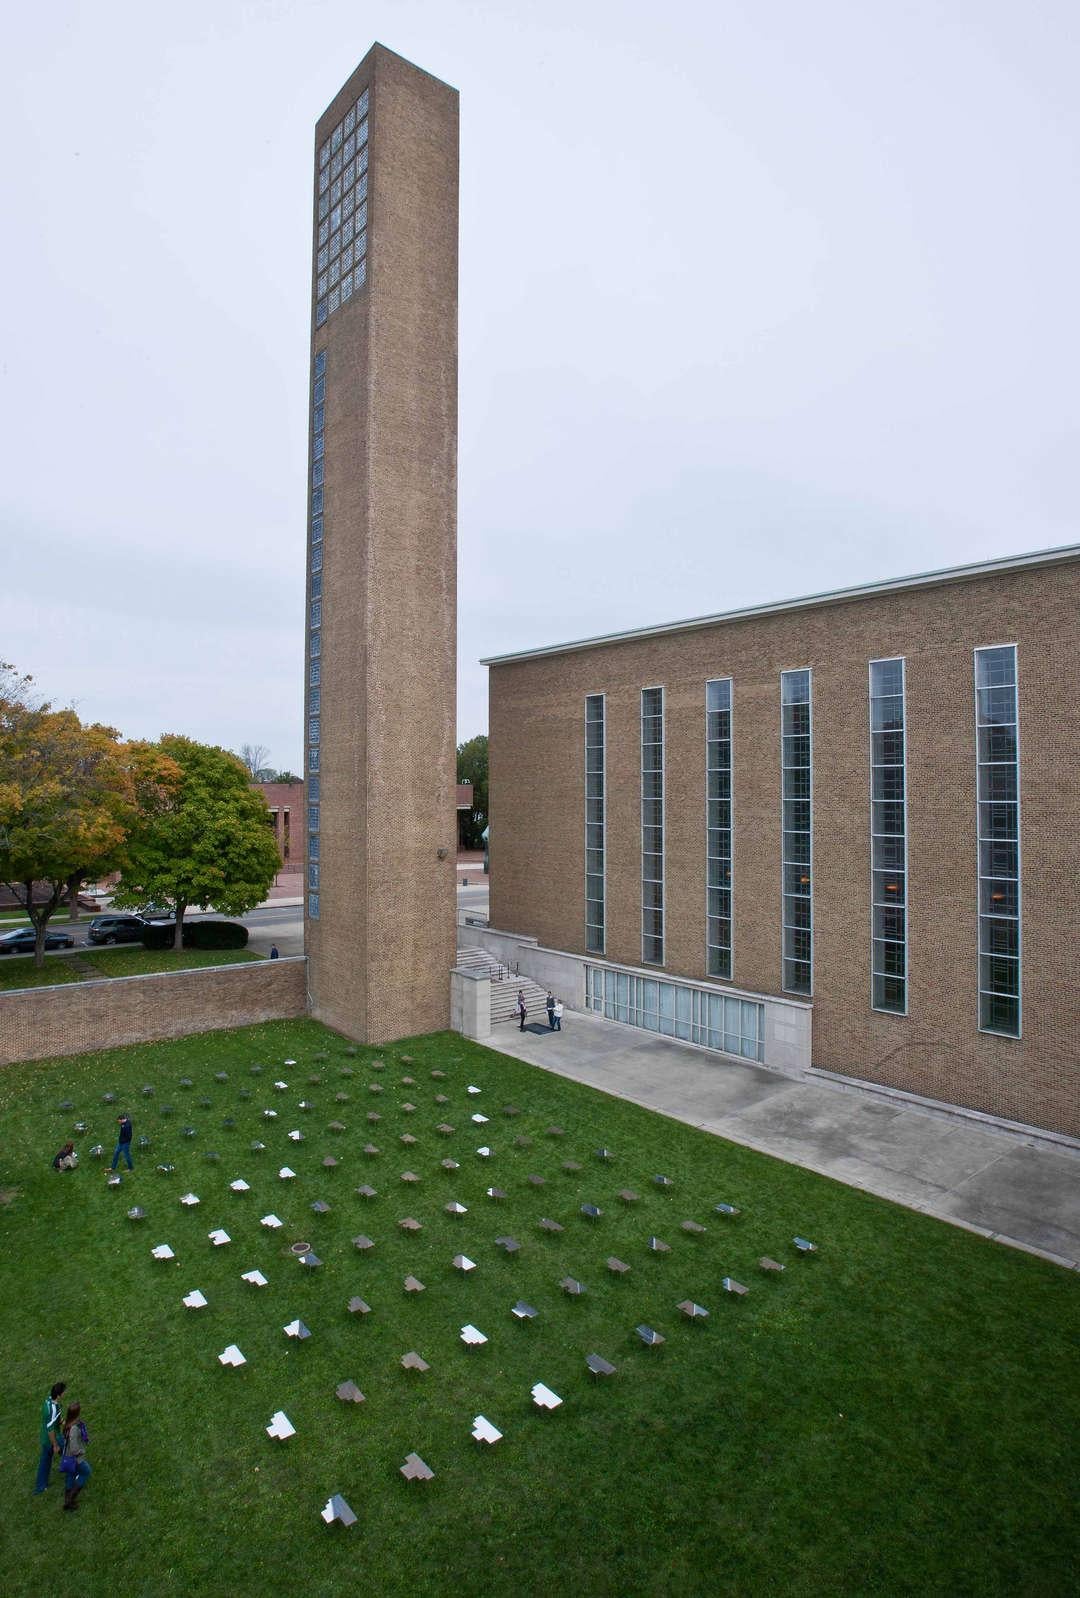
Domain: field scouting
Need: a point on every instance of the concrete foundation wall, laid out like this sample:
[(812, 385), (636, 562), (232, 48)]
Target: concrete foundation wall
[(562, 974), (788, 1025), (37, 1023), (470, 1005)]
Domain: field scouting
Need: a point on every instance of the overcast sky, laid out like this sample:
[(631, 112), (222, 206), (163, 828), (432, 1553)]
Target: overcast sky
[(757, 299)]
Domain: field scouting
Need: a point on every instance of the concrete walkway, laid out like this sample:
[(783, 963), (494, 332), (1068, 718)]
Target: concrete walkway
[(1017, 1190)]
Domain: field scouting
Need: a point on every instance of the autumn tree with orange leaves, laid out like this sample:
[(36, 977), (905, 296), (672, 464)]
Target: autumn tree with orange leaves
[(69, 794)]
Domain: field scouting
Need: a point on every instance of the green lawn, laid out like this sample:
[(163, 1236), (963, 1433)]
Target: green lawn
[(895, 1414), (90, 964)]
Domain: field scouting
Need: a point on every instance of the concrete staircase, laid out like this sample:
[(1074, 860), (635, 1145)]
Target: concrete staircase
[(505, 986)]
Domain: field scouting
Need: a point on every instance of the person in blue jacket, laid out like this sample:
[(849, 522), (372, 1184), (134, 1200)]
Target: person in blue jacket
[(123, 1143)]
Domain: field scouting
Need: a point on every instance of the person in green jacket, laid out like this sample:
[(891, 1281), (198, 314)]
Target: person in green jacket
[(52, 1440)]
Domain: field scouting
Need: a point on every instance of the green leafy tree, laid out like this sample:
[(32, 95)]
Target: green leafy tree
[(472, 766), (66, 800), (205, 842)]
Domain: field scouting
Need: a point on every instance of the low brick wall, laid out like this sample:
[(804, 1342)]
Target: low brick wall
[(36, 1023)]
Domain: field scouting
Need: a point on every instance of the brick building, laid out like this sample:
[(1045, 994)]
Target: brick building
[(836, 833), (285, 802)]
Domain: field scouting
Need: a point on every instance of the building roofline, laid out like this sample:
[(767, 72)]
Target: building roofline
[(894, 585)]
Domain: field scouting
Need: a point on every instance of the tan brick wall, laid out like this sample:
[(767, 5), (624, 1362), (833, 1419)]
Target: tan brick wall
[(537, 821), (38, 1023), (383, 946)]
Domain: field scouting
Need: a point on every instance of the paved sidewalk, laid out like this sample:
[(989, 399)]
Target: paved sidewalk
[(1000, 1184)]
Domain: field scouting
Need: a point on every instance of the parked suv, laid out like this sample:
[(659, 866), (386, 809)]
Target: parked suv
[(116, 929)]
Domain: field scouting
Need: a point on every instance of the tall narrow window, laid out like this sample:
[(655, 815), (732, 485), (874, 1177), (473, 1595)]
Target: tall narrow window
[(652, 826), (718, 826), (998, 775), (315, 617), (594, 823), (888, 837), (797, 798)]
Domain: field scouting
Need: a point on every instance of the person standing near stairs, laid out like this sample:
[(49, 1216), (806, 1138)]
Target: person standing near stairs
[(522, 1011), (549, 1005)]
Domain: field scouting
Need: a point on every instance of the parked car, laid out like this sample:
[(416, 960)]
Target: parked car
[(23, 939), (116, 929)]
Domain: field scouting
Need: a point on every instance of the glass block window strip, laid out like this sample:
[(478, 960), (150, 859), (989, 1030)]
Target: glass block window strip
[(718, 827), (888, 837), (315, 604), (341, 188), (595, 799), (797, 800), (652, 826), (677, 1010), (997, 734)]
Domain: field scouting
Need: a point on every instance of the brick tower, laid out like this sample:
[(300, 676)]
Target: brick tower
[(382, 553)]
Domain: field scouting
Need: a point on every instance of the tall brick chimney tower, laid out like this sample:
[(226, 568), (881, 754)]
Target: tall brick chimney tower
[(380, 659)]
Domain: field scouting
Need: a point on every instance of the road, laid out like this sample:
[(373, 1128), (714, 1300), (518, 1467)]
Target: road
[(283, 924)]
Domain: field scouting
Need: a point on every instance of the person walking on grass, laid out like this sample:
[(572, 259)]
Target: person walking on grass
[(522, 1011), (549, 1004), (557, 1015), (51, 1434), (123, 1143), (74, 1463)]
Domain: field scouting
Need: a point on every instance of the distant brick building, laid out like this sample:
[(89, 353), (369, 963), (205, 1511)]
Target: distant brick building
[(285, 802), (836, 833)]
